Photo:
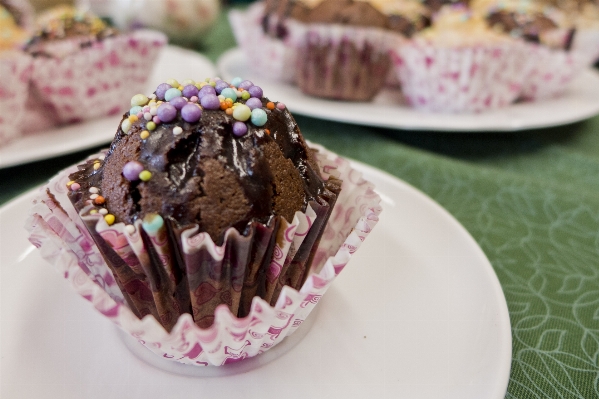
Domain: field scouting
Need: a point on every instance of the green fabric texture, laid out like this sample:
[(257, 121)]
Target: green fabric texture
[(530, 199)]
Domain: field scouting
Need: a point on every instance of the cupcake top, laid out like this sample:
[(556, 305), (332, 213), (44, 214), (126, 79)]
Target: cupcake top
[(210, 153), (64, 29), (436, 5), (11, 35), (458, 26), (402, 16)]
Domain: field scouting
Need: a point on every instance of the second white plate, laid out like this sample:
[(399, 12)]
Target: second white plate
[(418, 313), (580, 102), (174, 62)]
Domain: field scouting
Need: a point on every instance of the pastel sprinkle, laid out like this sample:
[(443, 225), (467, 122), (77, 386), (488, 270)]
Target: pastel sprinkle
[(130, 229), (93, 196), (152, 222), (156, 120), (93, 211), (139, 99), (94, 190), (177, 130), (254, 103), (145, 175), (69, 183), (172, 82), (153, 111), (245, 95), (144, 135), (193, 99), (162, 88), (103, 211), (246, 84), (229, 93), (236, 81), (172, 93), (133, 118), (126, 125), (75, 187), (242, 112), (148, 116), (99, 200), (239, 129), (259, 116), (109, 219), (96, 165), (132, 170), (191, 112), (166, 113), (270, 105), (256, 91), (281, 106), (135, 110), (150, 126), (187, 82)]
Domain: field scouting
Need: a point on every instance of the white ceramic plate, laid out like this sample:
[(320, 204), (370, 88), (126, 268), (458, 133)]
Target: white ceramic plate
[(418, 313), (580, 102), (174, 62)]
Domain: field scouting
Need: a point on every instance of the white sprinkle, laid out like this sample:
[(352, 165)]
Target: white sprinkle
[(238, 93), (94, 190), (148, 116), (88, 202), (103, 211), (126, 125), (152, 96), (153, 111), (93, 196), (130, 229), (102, 157), (221, 97), (177, 130)]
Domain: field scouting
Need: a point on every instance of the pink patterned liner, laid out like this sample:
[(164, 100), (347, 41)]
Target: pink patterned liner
[(460, 79), (267, 56), (83, 83), (551, 71), (65, 242), (15, 70)]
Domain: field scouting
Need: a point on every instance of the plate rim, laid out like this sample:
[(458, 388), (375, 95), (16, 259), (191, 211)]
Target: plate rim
[(505, 358), (321, 112)]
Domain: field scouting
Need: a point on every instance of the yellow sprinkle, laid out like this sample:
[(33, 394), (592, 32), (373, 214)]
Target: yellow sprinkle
[(69, 183), (150, 126), (109, 219), (180, 87), (145, 175), (144, 135), (172, 82), (133, 118), (152, 103), (96, 165), (93, 212), (202, 84)]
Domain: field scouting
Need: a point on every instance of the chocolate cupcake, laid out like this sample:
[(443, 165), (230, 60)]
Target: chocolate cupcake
[(81, 64), (208, 215)]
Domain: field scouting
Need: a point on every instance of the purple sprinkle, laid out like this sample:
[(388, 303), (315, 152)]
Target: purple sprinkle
[(239, 129), (160, 90), (166, 113), (281, 106), (190, 91), (191, 113), (210, 101), (246, 84), (220, 86), (132, 169), (156, 120), (206, 90), (178, 102), (194, 99), (254, 103), (255, 91)]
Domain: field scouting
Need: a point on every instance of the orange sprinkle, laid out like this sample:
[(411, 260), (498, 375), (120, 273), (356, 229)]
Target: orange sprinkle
[(267, 131), (270, 105), (99, 200), (223, 106), (229, 101), (229, 111)]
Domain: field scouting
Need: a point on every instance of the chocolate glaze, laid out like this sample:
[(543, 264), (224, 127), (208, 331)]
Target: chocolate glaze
[(528, 26), (435, 5), (207, 175)]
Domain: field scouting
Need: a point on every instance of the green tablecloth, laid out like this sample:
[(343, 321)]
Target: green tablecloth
[(531, 201)]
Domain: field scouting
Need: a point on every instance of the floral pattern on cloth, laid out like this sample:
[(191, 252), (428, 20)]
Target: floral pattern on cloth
[(62, 237), (84, 83)]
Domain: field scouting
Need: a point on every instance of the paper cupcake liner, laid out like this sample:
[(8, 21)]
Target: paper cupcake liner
[(266, 56), (550, 71), (343, 62), (466, 79), (15, 70), (586, 43), (63, 238), (84, 84), (26, 17)]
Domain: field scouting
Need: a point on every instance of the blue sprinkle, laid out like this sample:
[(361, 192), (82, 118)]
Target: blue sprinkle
[(236, 81), (152, 223), (259, 117), (229, 93), (172, 93), (135, 110)]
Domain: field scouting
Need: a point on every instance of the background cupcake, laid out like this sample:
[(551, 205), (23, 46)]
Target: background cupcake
[(15, 70), (459, 64), (193, 282), (81, 64)]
